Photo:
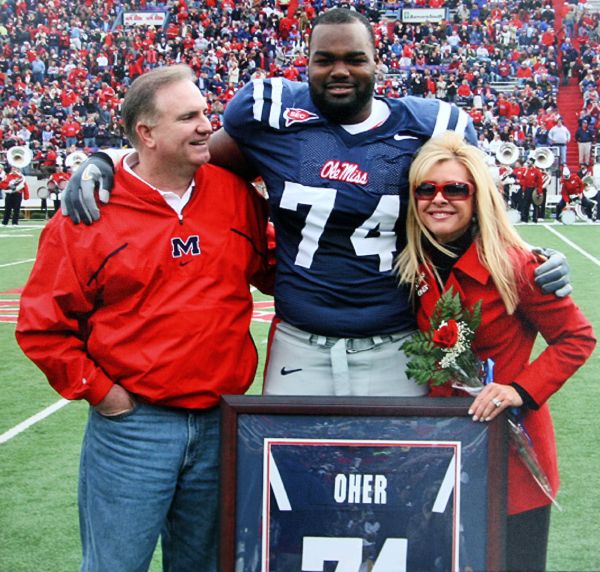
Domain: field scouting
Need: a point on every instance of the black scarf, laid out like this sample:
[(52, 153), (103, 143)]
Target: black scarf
[(444, 263)]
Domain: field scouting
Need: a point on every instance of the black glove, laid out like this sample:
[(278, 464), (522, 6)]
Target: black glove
[(552, 276), (78, 199)]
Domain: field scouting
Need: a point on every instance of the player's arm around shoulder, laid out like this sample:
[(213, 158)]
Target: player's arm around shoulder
[(225, 152)]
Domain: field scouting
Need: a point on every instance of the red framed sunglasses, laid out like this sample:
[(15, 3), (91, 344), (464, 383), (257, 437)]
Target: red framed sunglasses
[(451, 191)]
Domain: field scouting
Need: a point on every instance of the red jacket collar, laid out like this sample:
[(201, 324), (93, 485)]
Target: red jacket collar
[(428, 290), (470, 265)]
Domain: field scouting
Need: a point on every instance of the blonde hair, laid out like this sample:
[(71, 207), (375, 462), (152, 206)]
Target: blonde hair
[(494, 233)]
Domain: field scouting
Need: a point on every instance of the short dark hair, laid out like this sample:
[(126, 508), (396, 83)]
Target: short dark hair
[(345, 16), (140, 99)]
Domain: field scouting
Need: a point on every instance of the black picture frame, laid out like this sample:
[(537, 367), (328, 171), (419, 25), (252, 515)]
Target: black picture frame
[(255, 428)]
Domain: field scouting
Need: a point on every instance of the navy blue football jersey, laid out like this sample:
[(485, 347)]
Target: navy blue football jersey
[(324, 493), (338, 202)]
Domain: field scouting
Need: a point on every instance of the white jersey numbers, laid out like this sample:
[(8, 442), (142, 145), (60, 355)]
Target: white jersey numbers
[(381, 223), (375, 236), (348, 552), (321, 201)]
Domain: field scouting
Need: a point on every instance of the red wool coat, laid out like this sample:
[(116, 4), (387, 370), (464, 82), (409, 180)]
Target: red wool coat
[(508, 340)]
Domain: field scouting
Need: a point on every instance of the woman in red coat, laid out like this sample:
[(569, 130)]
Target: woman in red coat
[(459, 236)]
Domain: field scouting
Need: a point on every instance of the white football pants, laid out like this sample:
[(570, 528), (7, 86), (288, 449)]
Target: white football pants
[(301, 363)]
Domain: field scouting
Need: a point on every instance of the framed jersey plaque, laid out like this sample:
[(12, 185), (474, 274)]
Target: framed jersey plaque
[(356, 484)]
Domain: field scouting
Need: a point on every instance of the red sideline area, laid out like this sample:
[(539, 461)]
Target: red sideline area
[(9, 310)]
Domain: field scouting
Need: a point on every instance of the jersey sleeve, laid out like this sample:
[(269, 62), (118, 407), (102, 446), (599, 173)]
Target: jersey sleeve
[(239, 117), (51, 325), (431, 117), (275, 103)]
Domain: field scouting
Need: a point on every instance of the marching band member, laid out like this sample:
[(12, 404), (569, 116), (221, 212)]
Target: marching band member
[(532, 181), (49, 162), (15, 188), (516, 199), (56, 183), (546, 178), (572, 192), (2, 179), (506, 180)]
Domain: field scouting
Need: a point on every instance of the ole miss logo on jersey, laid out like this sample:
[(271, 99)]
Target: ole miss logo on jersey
[(294, 115), (343, 171)]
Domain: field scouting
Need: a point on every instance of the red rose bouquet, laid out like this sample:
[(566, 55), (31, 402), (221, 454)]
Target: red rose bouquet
[(443, 353)]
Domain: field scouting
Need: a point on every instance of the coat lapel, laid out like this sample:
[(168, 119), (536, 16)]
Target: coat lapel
[(468, 264)]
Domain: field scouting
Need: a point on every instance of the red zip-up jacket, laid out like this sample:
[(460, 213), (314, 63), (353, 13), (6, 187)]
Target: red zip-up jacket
[(157, 303), (508, 340)]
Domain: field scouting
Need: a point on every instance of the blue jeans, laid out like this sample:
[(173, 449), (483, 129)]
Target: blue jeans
[(147, 473)]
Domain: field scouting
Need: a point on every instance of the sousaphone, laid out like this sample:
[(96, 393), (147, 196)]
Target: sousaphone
[(19, 156), (507, 153), (543, 157), (73, 160)]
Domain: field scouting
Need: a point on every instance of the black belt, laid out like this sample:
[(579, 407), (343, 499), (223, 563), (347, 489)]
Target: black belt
[(185, 410)]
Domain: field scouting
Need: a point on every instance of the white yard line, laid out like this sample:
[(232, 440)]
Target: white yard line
[(572, 244), (32, 420), (27, 260)]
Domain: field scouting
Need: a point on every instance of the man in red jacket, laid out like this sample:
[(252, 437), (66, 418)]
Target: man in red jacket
[(571, 190), (146, 316), (70, 131), (15, 189)]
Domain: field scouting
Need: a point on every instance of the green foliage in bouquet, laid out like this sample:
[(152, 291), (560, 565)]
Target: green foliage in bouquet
[(443, 353)]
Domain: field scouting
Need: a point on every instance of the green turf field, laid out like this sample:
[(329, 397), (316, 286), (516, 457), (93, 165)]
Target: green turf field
[(38, 466)]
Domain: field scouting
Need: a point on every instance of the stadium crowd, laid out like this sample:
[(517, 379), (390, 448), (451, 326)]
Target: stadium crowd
[(65, 65)]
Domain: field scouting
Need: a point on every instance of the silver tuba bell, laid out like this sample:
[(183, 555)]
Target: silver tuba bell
[(19, 156), (73, 160), (507, 153), (543, 157)]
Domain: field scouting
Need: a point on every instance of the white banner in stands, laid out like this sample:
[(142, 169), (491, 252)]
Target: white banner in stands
[(144, 18), (412, 15)]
